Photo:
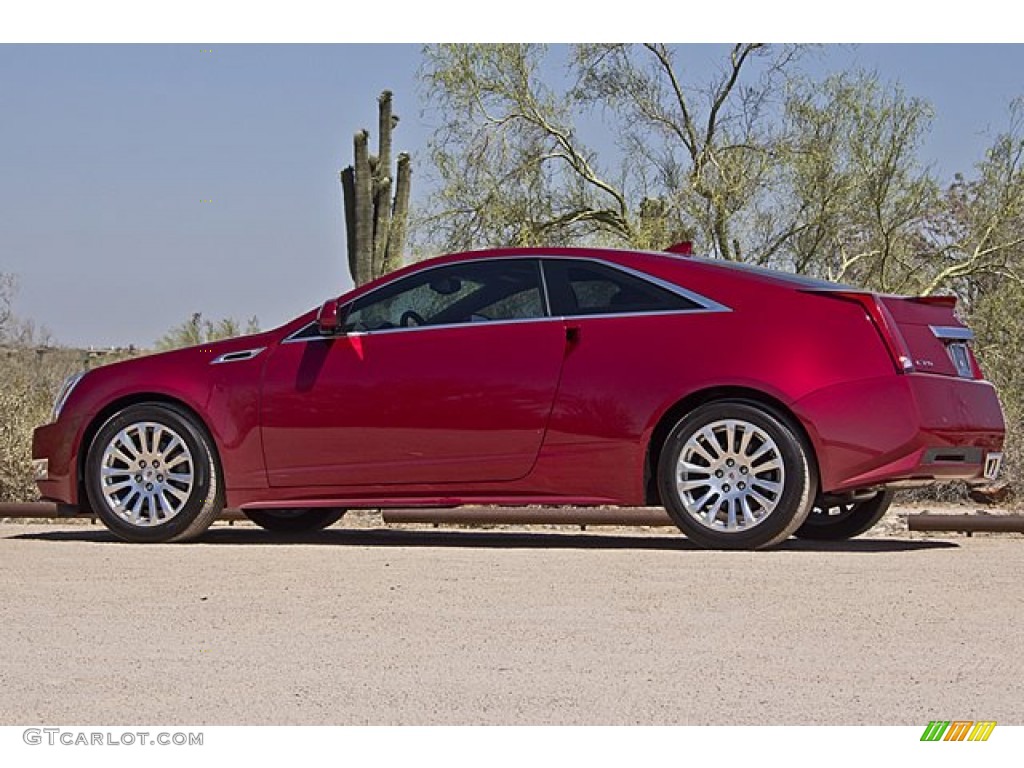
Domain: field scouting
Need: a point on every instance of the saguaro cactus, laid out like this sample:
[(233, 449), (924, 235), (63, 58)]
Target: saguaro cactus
[(376, 221)]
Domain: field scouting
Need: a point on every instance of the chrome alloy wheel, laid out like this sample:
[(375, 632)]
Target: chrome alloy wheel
[(147, 473), (730, 475)]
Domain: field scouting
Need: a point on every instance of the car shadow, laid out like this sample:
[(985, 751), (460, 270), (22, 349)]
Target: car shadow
[(476, 539)]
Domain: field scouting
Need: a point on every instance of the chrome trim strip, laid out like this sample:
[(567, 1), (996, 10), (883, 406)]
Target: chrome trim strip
[(294, 337), (952, 332), (480, 324), (706, 305), (649, 313), (560, 318), (237, 357)]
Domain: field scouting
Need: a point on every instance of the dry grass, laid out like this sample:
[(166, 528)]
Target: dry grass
[(29, 380)]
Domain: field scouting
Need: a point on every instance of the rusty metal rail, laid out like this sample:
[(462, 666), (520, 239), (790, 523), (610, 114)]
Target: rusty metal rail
[(967, 523), (529, 516), (569, 516), (448, 516), (36, 509), (47, 509)]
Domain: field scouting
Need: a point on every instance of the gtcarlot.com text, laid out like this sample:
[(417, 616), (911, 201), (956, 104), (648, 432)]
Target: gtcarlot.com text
[(71, 738)]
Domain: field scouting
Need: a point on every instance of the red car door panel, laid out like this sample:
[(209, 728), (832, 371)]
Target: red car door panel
[(465, 403)]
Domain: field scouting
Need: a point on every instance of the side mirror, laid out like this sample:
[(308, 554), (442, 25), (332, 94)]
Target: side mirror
[(327, 319)]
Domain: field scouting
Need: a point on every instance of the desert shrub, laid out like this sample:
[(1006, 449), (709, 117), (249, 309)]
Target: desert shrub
[(29, 380), (197, 330), (31, 373), (999, 322)]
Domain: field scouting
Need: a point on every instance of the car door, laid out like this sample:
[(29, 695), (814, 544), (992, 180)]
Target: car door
[(633, 339), (447, 375)]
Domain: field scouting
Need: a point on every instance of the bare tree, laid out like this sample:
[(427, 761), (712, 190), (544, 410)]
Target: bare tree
[(854, 194), (977, 235), (703, 150), (755, 163), (515, 170), (8, 287)]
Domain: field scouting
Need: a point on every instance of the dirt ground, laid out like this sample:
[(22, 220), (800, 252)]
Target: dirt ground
[(366, 624)]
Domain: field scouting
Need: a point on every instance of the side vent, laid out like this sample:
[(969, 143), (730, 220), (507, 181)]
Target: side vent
[(237, 357)]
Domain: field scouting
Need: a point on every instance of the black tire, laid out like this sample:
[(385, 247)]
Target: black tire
[(844, 521), (767, 522), (200, 501), (300, 520)]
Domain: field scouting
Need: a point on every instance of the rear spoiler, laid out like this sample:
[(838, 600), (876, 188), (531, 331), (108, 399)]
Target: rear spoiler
[(934, 301), (684, 248)]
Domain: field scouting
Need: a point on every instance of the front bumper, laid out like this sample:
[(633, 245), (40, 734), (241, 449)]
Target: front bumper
[(54, 460)]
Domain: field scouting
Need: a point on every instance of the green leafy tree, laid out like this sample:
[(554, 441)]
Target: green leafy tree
[(986, 266), (515, 170), (854, 193), (977, 236), (758, 163), (998, 320)]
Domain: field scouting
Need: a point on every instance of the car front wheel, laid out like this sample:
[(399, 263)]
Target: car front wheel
[(301, 520), (151, 475), (835, 522), (734, 476)]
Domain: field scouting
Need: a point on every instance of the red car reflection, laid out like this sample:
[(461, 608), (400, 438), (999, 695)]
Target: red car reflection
[(752, 404)]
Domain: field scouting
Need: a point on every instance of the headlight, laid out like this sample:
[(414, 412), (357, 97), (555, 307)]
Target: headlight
[(65, 391)]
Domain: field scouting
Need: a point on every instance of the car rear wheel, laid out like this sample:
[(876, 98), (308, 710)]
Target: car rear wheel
[(734, 476), (151, 475), (300, 520), (844, 521)]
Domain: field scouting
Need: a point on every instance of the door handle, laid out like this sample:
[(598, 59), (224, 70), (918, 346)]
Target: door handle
[(572, 334)]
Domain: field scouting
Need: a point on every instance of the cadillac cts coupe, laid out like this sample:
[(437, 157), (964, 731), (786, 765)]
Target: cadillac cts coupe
[(752, 404)]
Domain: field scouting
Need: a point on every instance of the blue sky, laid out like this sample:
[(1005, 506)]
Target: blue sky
[(107, 152)]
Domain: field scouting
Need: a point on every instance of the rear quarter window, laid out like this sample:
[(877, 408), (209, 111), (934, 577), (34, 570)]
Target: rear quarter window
[(588, 288)]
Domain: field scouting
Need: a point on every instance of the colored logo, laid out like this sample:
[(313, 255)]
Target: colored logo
[(958, 730)]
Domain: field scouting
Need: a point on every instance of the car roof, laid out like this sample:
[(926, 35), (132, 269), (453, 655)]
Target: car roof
[(637, 256)]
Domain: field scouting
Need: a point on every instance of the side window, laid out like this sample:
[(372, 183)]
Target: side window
[(469, 292), (587, 288), (525, 303)]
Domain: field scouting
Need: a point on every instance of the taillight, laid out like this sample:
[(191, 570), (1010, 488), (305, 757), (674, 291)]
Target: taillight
[(884, 324)]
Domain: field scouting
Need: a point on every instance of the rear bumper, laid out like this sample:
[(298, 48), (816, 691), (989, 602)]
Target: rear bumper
[(904, 430)]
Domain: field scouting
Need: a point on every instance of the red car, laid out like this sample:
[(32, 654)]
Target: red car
[(752, 404)]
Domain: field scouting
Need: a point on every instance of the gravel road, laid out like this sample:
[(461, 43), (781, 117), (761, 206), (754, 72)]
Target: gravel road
[(399, 626)]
